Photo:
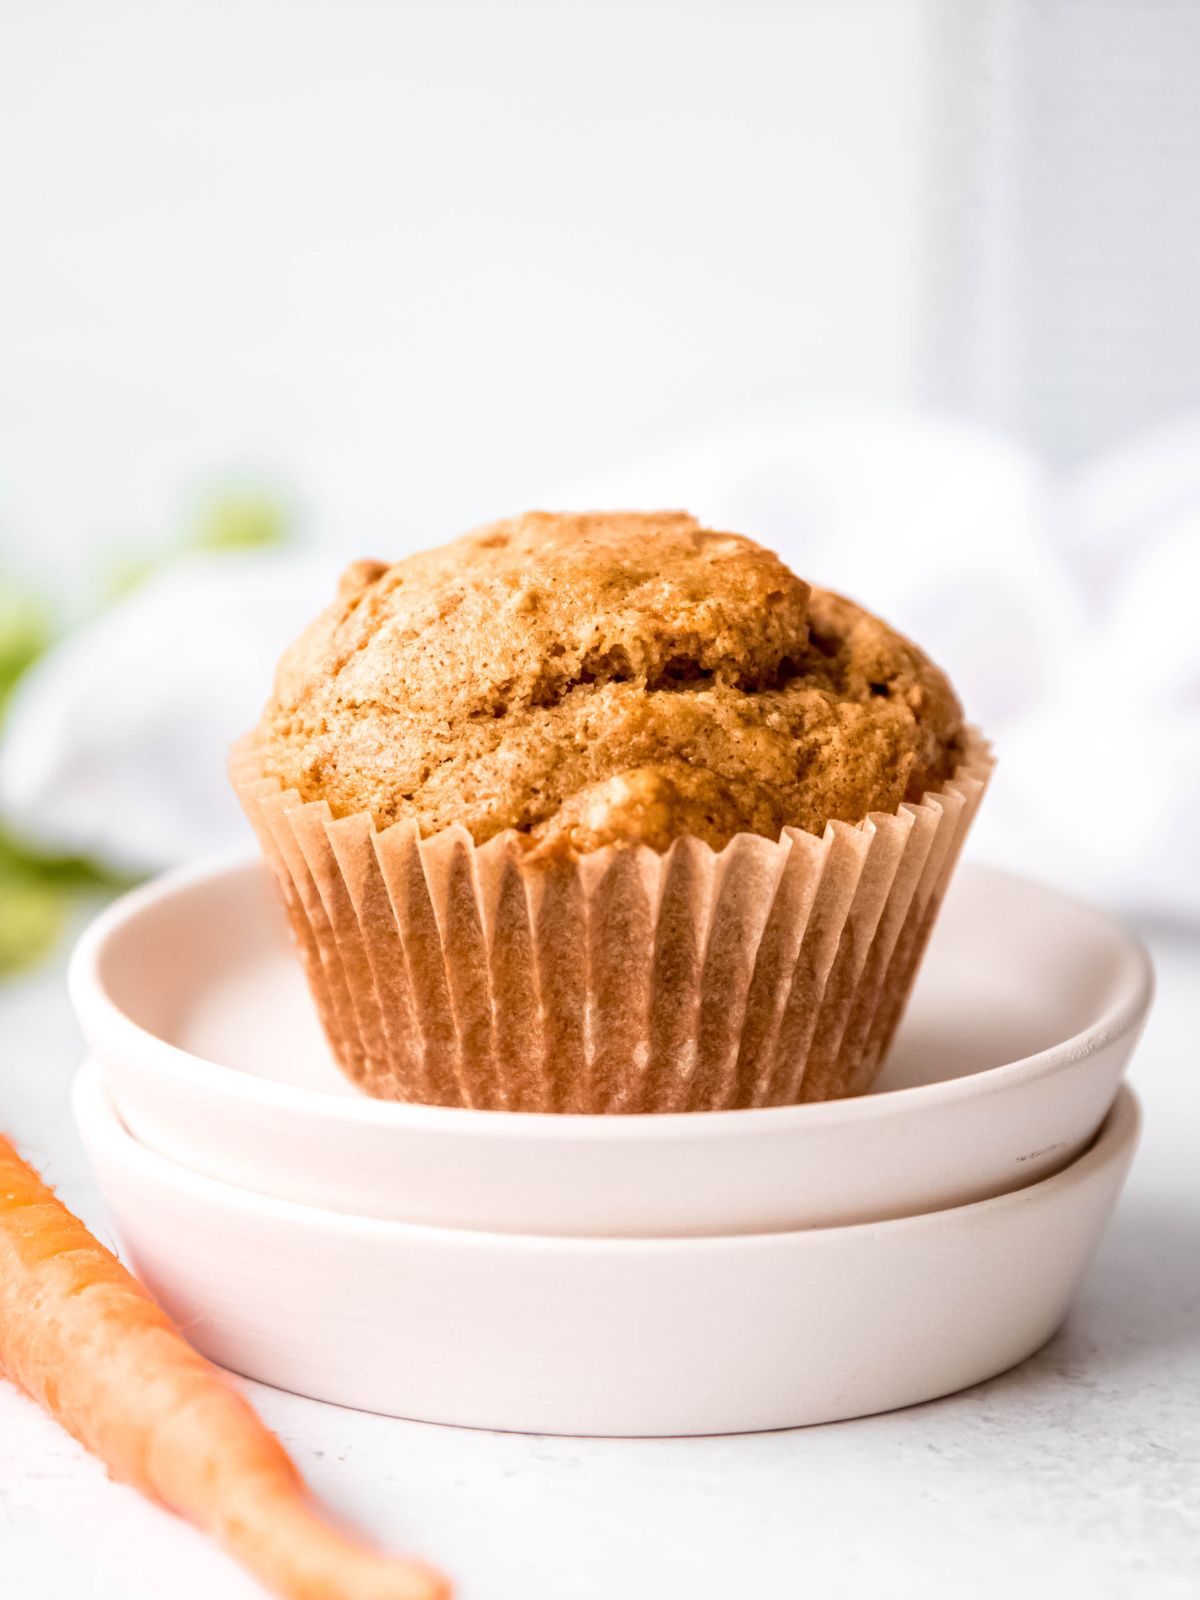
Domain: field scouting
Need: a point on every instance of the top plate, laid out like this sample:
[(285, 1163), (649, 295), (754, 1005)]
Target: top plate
[(1024, 1016)]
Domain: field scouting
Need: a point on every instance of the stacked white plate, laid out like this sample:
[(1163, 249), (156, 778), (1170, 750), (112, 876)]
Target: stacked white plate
[(688, 1273)]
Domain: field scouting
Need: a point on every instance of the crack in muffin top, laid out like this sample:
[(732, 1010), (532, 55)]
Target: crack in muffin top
[(604, 678)]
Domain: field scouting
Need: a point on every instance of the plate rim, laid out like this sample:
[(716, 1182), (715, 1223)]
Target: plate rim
[(98, 1120)]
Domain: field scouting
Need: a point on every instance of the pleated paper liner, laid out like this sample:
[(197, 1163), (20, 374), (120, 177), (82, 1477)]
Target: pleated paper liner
[(766, 973)]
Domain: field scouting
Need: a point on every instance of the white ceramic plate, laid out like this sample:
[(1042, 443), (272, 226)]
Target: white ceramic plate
[(1024, 1016), (606, 1336)]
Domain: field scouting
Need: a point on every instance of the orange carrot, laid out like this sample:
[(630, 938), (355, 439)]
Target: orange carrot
[(83, 1337)]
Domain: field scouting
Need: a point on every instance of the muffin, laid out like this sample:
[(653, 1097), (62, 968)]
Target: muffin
[(607, 813)]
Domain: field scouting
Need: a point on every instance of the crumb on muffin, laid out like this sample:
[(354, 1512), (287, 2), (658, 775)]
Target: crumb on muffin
[(605, 678)]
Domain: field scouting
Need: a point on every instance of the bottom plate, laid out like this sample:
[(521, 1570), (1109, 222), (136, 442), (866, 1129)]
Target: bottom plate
[(606, 1336)]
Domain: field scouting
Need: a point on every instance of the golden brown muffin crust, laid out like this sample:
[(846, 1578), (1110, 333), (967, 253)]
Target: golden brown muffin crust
[(614, 677)]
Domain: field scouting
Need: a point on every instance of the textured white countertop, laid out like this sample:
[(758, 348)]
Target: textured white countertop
[(1077, 1473)]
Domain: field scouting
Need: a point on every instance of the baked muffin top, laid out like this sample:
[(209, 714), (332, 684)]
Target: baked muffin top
[(604, 678)]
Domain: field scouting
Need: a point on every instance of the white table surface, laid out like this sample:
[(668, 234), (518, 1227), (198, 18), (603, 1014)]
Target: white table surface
[(1077, 1473)]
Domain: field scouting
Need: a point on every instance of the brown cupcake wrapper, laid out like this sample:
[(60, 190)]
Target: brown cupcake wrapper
[(766, 973)]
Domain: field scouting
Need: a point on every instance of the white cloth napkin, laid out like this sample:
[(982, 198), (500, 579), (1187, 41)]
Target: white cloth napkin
[(115, 742), (1064, 610)]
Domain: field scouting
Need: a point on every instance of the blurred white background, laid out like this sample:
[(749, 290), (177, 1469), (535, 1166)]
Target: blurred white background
[(425, 260), (904, 287)]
